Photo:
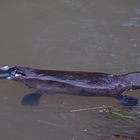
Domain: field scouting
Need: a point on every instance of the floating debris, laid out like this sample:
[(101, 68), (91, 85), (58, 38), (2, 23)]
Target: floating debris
[(92, 108), (119, 113)]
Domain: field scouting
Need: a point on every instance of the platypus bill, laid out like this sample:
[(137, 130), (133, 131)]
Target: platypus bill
[(73, 83)]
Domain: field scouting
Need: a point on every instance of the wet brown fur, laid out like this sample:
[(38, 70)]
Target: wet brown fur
[(76, 82)]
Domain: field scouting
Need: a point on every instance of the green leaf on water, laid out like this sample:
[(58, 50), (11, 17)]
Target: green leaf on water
[(119, 115)]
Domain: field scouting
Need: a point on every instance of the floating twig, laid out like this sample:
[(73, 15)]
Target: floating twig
[(91, 108), (94, 108)]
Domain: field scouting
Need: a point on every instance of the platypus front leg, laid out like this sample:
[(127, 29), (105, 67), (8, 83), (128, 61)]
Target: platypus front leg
[(31, 99)]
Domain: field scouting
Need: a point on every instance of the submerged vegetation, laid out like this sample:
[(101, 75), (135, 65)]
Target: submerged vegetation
[(115, 122)]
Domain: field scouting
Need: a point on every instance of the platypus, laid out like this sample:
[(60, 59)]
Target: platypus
[(73, 83)]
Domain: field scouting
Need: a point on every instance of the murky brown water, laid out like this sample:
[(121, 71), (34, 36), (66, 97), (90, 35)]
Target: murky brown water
[(68, 35)]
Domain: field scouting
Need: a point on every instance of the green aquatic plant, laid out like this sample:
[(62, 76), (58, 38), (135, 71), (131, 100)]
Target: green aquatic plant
[(119, 115)]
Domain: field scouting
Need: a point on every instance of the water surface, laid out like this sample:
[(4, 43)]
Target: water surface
[(91, 35)]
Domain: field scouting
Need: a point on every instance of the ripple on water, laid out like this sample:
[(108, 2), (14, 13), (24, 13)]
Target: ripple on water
[(138, 61), (132, 22), (138, 11)]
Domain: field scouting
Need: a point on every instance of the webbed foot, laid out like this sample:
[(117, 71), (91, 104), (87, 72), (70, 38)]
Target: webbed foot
[(31, 99), (127, 100)]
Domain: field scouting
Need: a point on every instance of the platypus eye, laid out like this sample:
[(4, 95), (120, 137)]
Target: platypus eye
[(20, 73)]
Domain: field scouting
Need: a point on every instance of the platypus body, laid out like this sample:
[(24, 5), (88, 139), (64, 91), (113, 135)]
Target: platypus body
[(73, 83)]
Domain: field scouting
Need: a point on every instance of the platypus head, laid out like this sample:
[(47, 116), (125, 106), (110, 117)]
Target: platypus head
[(6, 72), (10, 73)]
